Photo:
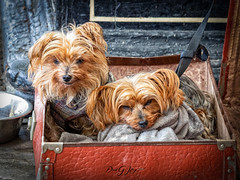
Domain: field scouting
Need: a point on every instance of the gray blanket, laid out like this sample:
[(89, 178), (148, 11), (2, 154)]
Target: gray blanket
[(174, 125)]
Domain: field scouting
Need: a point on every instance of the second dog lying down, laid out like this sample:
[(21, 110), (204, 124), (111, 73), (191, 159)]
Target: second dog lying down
[(140, 100)]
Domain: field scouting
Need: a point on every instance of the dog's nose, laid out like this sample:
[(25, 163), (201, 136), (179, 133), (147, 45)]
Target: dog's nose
[(143, 124), (67, 78)]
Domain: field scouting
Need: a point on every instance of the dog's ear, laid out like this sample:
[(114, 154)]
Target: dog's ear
[(92, 31), (36, 51), (167, 83), (100, 108)]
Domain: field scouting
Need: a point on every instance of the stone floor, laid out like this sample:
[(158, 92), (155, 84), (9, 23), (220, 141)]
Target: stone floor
[(17, 158)]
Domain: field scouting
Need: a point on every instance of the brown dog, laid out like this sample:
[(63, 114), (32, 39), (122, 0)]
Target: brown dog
[(65, 68)]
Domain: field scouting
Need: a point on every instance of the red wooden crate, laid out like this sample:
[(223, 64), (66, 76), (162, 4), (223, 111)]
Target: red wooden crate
[(189, 159)]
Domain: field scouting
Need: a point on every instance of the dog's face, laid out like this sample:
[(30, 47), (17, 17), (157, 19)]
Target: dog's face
[(139, 114), (66, 65), (137, 101)]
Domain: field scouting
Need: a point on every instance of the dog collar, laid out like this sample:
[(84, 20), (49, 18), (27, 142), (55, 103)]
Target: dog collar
[(63, 114)]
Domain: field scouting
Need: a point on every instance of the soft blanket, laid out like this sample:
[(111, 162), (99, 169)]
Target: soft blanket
[(174, 125)]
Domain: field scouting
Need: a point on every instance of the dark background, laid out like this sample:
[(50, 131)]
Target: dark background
[(24, 21)]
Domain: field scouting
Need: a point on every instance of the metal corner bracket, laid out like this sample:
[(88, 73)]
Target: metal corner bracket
[(223, 144), (57, 147)]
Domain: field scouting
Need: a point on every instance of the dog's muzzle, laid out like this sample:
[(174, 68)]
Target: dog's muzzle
[(143, 124)]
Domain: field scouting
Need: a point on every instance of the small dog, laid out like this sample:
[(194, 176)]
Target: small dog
[(65, 67), (141, 99), (138, 100), (202, 103)]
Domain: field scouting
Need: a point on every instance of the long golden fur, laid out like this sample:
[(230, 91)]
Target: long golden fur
[(68, 65), (138, 100), (202, 103)]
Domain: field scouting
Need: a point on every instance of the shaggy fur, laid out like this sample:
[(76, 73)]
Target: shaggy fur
[(67, 66), (203, 105), (141, 99), (138, 100)]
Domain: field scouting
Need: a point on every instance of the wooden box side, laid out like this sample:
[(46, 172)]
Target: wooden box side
[(153, 161), (223, 130)]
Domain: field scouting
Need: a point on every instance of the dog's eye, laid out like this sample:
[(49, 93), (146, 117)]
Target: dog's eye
[(148, 102), (79, 61), (127, 107), (56, 61)]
